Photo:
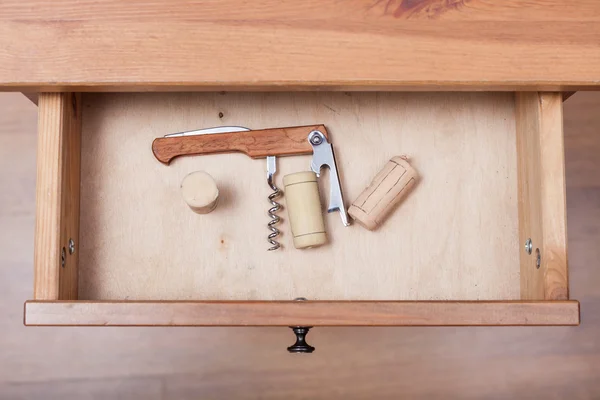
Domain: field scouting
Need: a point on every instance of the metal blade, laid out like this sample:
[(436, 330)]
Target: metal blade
[(210, 131), (271, 166)]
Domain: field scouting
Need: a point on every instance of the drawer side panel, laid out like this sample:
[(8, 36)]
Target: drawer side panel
[(57, 196), (542, 196)]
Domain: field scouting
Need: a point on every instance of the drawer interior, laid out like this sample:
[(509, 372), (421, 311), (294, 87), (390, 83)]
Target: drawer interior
[(115, 245), (455, 237)]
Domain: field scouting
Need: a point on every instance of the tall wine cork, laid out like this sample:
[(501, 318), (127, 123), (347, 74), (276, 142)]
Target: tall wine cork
[(304, 209), (200, 192), (389, 187)]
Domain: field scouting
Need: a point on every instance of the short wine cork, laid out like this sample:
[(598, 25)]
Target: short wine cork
[(304, 209), (200, 192), (389, 187)]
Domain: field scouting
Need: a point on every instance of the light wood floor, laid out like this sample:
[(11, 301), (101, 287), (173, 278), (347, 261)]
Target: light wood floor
[(232, 363)]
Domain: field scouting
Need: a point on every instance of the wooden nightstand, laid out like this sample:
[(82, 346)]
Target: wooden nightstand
[(471, 90)]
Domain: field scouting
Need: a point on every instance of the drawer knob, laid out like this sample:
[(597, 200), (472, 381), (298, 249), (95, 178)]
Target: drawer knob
[(301, 346)]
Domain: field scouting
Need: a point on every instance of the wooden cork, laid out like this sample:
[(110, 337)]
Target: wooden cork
[(304, 209), (200, 192), (389, 187)]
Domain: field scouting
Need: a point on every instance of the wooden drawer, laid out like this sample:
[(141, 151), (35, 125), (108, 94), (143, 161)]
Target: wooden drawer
[(116, 245)]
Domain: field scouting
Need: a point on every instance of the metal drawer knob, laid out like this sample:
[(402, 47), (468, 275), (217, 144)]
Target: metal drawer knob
[(301, 346)]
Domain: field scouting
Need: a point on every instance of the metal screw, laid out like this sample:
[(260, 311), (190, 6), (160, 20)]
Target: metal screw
[(315, 137), (63, 256), (71, 246), (528, 246)]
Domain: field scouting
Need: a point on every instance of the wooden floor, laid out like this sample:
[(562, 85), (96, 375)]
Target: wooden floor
[(232, 363)]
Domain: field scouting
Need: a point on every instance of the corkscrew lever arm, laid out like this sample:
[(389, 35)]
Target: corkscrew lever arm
[(323, 156)]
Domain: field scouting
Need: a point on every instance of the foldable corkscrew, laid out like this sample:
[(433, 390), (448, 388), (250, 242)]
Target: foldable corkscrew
[(261, 143)]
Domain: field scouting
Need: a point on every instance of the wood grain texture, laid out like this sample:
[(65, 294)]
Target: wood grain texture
[(259, 143), (139, 241), (57, 196), (542, 207), (274, 44), (251, 363), (121, 388), (294, 313)]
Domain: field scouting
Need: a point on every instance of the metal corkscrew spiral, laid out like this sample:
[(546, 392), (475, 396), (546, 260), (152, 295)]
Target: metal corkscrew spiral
[(275, 219)]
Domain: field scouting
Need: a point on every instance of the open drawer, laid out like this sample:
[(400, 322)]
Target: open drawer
[(480, 241)]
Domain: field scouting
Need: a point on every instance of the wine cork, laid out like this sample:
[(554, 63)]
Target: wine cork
[(200, 192), (304, 209), (389, 187)]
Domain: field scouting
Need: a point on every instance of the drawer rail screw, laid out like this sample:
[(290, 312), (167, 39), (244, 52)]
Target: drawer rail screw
[(528, 246), (71, 246)]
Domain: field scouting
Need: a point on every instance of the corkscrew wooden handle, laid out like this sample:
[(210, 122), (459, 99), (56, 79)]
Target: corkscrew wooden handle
[(254, 143)]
